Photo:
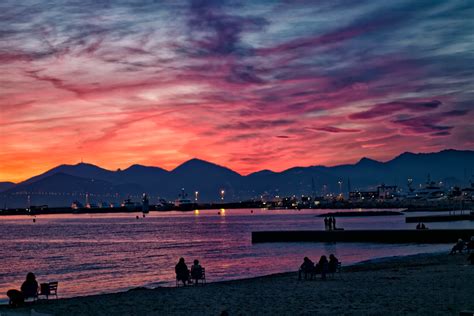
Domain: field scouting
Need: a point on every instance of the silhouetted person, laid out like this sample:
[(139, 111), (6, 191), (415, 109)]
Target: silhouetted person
[(322, 267), (326, 223), (196, 271), (330, 223), (306, 267), (333, 223), (29, 288), (459, 247), (332, 265), (418, 226), (423, 226), (182, 271)]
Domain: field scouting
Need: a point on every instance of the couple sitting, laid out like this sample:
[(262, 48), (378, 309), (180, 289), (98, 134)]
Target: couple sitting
[(29, 289), (322, 267), (183, 274)]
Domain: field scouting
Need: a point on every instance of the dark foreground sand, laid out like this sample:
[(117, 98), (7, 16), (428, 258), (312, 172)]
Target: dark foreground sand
[(421, 285)]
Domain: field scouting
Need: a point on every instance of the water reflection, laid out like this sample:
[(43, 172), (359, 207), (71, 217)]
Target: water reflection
[(100, 253)]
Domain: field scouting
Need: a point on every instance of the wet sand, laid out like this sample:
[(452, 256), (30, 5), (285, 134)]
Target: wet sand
[(435, 284)]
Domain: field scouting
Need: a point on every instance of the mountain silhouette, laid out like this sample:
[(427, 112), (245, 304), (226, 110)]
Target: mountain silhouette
[(453, 167)]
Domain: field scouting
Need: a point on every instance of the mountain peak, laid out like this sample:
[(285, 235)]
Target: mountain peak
[(367, 161), (199, 165)]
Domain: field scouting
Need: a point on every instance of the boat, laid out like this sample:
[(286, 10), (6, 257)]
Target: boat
[(183, 202)]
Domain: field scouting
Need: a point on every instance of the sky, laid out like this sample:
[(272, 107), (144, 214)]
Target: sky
[(248, 85)]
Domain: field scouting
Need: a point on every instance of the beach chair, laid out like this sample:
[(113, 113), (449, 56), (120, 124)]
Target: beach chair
[(338, 270), (180, 282), (202, 278), (49, 289)]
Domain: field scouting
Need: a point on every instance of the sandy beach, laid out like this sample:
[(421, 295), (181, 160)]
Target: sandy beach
[(422, 285)]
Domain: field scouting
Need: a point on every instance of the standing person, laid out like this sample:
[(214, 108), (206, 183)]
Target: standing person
[(182, 271), (333, 223), (326, 223), (196, 271), (330, 223)]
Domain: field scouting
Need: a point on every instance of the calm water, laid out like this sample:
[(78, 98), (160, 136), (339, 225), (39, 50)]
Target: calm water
[(91, 254)]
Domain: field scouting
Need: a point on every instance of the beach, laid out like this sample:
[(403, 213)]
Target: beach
[(425, 284)]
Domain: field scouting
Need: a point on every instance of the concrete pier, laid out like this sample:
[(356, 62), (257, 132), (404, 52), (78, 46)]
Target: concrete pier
[(439, 218), (373, 236)]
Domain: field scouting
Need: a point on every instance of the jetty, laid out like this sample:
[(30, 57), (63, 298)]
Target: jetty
[(373, 236), (439, 218), (361, 214)]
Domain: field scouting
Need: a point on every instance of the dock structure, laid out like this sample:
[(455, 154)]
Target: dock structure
[(373, 236), (439, 218)]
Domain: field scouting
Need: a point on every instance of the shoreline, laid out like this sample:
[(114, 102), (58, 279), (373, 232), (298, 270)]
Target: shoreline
[(415, 284)]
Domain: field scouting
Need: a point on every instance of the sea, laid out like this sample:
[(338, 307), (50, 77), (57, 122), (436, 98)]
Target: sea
[(106, 253)]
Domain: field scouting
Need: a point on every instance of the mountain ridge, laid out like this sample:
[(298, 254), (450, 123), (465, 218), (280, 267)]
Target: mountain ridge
[(207, 178)]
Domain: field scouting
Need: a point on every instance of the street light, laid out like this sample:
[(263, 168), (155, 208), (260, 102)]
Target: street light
[(222, 195), (196, 195)]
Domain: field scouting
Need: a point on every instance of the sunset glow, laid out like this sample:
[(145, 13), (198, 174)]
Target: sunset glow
[(248, 85)]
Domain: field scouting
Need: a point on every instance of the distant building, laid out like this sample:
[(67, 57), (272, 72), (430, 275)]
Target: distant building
[(363, 195), (387, 192)]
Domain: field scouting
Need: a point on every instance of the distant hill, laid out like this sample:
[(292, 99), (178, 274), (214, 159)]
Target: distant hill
[(6, 185), (449, 166)]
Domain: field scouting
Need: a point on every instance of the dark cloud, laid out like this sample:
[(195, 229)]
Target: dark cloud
[(332, 129), (385, 109)]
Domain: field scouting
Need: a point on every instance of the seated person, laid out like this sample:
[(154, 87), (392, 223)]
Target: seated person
[(182, 271), (332, 265), (306, 267), (196, 271), (459, 247), (29, 288), (322, 267)]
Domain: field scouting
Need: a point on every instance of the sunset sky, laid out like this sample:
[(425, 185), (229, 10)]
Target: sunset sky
[(249, 85)]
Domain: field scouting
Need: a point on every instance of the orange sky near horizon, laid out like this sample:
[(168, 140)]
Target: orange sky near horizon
[(250, 86)]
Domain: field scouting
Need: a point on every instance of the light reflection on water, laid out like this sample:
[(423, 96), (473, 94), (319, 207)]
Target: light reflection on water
[(99, 253)]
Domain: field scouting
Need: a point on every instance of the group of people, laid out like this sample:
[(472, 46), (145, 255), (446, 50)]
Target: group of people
[(183, 274), (330, 223), (421, 226), (29, 289), (461, 245), (323, 267)]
